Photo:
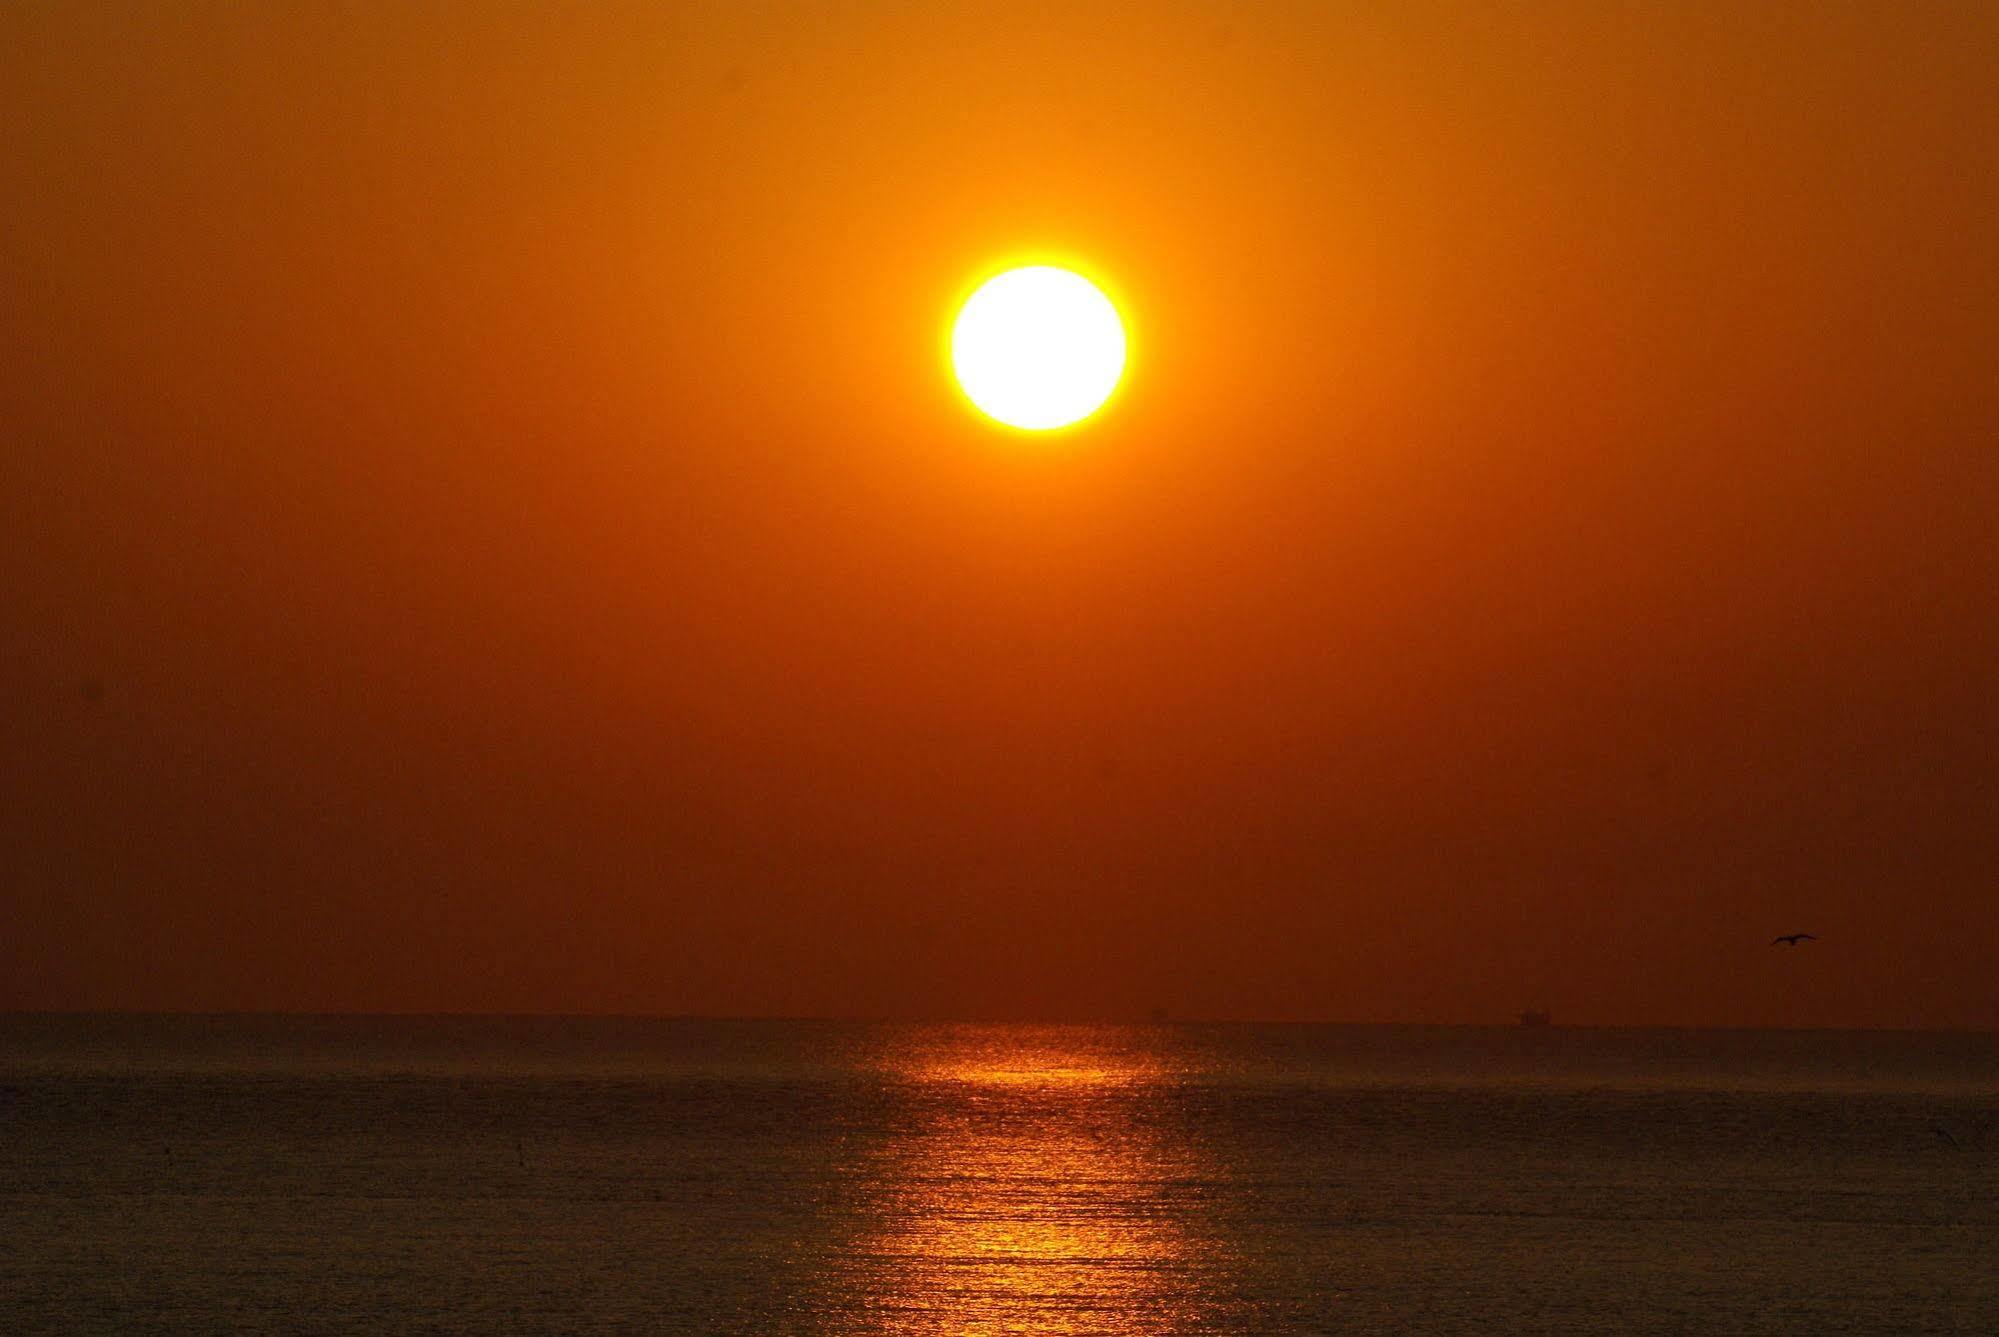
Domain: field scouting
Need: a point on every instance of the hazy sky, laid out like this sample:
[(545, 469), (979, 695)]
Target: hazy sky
[(486, 526)]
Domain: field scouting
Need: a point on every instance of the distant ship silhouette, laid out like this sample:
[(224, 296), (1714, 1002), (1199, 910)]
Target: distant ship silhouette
[(1536, 1017)]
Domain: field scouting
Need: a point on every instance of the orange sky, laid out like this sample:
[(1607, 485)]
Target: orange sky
[(486, 528)]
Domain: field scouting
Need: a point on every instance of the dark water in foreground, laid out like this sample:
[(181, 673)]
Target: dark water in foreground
[(297, 1174)]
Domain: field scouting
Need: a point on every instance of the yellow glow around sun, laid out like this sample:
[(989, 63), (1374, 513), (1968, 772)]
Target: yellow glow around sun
[(1038, 348)]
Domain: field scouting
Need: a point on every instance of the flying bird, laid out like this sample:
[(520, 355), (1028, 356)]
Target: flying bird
[(1793, 939)]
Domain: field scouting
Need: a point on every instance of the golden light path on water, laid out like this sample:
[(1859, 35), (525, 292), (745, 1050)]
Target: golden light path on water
[(1032, 1194)]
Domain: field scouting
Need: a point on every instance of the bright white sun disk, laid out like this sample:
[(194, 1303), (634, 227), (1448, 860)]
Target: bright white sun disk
[(1038, 348)]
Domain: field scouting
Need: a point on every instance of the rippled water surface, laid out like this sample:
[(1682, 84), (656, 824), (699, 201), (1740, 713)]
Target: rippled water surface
[(293, 1174)]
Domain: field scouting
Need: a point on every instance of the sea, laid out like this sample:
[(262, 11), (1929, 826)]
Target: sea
[(605, 1175)]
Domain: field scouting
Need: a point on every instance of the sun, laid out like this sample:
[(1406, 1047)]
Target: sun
[(1038, 348)]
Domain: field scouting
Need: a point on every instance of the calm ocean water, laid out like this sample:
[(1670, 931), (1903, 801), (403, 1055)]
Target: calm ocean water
[(512, 1175)]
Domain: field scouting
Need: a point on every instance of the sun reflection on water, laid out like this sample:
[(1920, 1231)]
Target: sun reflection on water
[(1037, 1190)]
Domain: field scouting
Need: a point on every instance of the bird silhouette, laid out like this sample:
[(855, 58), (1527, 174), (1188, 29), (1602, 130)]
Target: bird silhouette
[(1793, 939)]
